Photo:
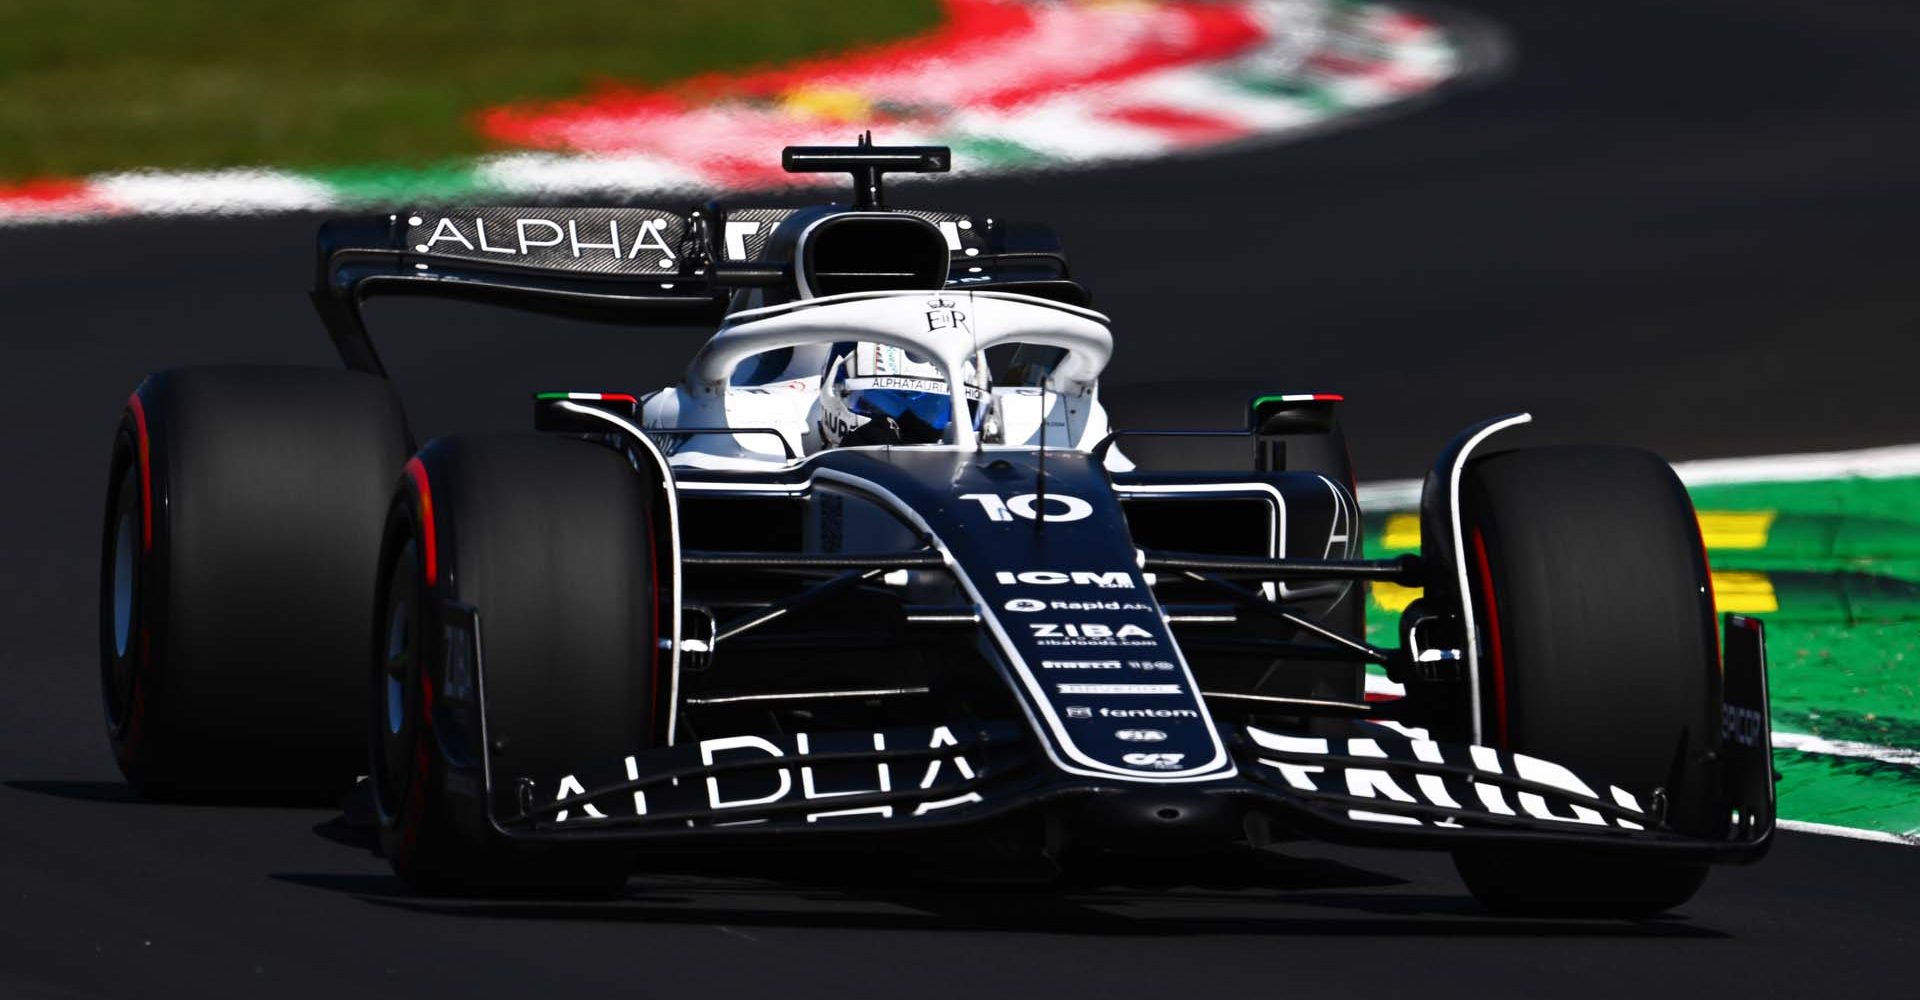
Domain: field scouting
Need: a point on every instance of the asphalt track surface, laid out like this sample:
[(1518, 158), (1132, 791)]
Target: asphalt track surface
[(1685, 226)]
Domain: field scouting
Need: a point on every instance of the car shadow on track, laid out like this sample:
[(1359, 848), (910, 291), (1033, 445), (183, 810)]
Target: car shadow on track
[(1269, 894), (82, 791), (120, 792)]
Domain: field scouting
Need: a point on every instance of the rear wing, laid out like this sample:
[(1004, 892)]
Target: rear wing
[(629, 265), (648, 265), (635, 265)]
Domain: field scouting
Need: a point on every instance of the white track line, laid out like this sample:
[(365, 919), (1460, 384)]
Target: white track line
[(1846, 748), (1829, 830), (1865, 463)]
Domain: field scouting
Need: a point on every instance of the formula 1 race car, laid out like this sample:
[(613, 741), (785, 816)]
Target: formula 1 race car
[(878, 567)]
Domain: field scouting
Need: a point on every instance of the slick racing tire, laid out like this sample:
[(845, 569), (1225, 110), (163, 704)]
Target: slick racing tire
[(1598, 651), (243, 516), (543, 547)]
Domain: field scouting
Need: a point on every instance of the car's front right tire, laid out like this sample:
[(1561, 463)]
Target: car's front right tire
[(242, 526)]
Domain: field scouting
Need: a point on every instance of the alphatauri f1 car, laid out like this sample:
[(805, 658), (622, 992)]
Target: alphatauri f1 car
[(878, 566)]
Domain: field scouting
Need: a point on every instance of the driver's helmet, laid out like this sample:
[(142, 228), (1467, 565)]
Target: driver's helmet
[(879, 394)]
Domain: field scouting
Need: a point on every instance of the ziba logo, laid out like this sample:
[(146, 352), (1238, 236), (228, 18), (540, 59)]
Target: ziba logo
[(1026, 505), (1089, 630), (1116, 580)]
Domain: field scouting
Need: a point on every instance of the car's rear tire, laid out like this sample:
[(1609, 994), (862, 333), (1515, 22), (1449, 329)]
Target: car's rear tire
[(243, 516), (548, 540), (1598, 651)]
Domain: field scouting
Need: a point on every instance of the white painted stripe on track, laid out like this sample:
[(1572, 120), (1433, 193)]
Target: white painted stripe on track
[(1067, 129), (213, 192), (1848, 832), (1865, 463), (1805, 743), (557, 173)]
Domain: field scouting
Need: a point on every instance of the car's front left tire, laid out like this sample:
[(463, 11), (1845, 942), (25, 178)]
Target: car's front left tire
[(1599, 652), (547, 544)]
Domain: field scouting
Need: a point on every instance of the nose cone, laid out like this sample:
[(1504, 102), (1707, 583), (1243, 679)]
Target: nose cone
[(1133, 819)]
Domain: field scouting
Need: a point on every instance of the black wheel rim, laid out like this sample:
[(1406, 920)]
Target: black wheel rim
[(396, 681), (121, 617)]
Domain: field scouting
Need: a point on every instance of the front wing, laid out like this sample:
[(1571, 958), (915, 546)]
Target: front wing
[(1381, 788)]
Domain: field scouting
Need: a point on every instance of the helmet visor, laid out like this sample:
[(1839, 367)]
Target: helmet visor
[(934, 409)]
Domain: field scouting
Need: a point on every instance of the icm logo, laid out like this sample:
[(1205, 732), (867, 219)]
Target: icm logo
[(1139, 735), (1026, 604), (1116, 580), (1027, 505), (1157, 761)]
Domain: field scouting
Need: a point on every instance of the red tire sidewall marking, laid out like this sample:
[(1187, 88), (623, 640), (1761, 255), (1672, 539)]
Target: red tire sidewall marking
[(134, 730), (653, 601), (413, 806), (1495, 644), (139, 412), (423, 495)]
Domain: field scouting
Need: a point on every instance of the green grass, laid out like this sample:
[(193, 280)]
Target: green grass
[(1829, 676), (97, 85)]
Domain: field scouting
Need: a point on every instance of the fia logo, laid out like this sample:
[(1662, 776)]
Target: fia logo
[(943, 314)]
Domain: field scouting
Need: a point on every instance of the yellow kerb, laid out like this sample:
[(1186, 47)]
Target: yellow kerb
[(832, 104), (1735, 529), (1744, 593)]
